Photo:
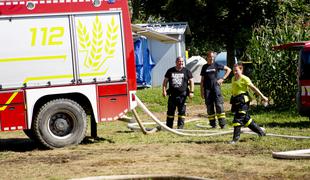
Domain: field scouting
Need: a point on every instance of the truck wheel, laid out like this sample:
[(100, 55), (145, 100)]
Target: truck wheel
[(59, 123)]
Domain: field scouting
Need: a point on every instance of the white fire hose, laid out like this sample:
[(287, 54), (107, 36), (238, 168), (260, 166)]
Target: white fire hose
[(162, 125), (297, 154)]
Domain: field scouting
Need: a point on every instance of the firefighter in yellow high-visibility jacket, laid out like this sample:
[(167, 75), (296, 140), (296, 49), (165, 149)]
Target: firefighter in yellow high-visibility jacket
[(241, 102)]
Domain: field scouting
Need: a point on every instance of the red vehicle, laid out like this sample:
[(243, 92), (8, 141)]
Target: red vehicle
[(61, 60), (303, 94)]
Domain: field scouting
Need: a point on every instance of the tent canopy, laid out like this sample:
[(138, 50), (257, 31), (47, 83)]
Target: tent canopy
[(153, 34), (194, 64), (173, 28)]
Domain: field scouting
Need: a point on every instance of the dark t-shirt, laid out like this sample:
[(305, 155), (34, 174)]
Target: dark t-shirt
[(178, 80), (210, 73)]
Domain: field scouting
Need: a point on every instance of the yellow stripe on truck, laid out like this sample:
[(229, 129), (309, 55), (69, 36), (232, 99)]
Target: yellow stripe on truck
[(34, 58), (9, 101), (48, 77), (45, 78), (33, 79)]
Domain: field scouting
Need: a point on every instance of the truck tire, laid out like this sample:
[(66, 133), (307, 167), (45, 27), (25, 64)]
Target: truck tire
[(60, 123)]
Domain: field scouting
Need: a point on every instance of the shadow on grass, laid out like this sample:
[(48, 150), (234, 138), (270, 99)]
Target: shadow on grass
[(202, 142), (91, 140), (25, 144), (243, 139), (126, 132), (17, 145), (299, 124)]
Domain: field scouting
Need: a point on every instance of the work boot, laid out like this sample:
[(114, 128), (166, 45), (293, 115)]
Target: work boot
[(169, 122), (158, 128), (212, 123), (180, 123), (255, 128), (236, 136), (181, 127), (222, 123)]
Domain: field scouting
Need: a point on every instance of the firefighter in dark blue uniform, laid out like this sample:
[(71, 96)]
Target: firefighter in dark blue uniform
[(210, 89), (179, 78)]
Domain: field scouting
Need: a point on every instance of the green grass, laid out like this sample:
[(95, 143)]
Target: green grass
[(276, 121)]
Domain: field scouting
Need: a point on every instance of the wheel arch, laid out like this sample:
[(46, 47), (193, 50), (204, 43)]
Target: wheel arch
[(85, 98), (77, 97)]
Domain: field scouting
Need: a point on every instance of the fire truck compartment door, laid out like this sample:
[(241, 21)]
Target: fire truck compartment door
[(12, 111), (113, 101), (35, 51), (100, 47)]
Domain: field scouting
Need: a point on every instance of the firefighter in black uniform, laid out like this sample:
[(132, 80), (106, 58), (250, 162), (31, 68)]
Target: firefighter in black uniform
[(210, 89), (179, 78), (241, 102)]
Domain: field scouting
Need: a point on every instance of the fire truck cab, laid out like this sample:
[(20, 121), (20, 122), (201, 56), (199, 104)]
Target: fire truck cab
[(62, 61), (303, 94)]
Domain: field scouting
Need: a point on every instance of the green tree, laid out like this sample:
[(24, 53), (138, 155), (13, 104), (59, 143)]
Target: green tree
[(275, 71), (221, 24), (146, 10)]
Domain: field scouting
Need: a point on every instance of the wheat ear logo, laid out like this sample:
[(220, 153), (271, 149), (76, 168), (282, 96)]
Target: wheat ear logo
[(98, 50)]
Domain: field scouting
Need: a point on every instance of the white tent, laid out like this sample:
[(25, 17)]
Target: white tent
[(221, 58), (194, 64)]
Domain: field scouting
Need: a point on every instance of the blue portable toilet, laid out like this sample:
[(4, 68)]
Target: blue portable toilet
[(144, 62)]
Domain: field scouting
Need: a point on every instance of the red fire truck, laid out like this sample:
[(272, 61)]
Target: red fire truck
[(303, 94), (61, 61)]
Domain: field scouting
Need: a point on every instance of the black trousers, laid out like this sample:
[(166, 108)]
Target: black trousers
[(242, 116), (240, 107), (214, 103), (176, 102), (214, 100)]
